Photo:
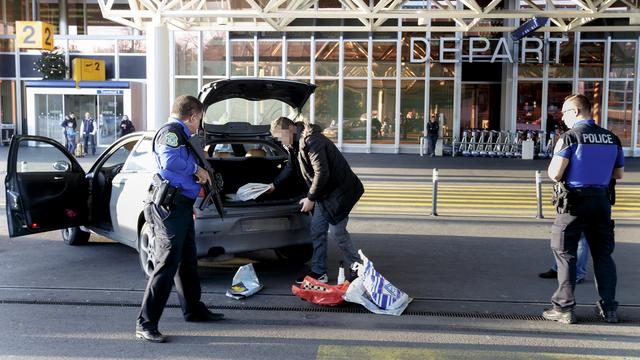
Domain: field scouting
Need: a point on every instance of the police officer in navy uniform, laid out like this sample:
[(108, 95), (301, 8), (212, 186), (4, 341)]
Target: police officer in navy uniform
[(174, 235), (586, 158)]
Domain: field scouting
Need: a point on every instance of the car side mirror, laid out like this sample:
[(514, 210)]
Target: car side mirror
[(61, 166)]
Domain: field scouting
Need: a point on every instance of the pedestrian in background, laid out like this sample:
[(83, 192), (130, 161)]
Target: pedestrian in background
[(433, 129), (70, 135), (173, 225), (89, 131), (585, 159), (126, 126), (334, 189)]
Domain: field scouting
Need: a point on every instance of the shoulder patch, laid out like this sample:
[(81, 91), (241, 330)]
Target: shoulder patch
[(171, 139)]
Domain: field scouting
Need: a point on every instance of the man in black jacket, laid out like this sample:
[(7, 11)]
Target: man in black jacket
[(289, 181), (433, 128), (334, 190)]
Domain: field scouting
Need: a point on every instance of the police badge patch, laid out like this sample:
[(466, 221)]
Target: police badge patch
[(171, 139)]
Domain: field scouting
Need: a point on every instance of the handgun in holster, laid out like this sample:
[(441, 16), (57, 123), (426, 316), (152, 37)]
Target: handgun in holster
[(161, 192), (560, 198)]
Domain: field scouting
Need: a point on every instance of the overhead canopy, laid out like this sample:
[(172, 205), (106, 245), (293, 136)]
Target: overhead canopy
[(375, 15)]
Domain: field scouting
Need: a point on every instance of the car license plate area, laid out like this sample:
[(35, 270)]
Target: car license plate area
[(254, 225)]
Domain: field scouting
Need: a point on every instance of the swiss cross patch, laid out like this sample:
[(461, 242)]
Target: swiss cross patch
[(171, 139)]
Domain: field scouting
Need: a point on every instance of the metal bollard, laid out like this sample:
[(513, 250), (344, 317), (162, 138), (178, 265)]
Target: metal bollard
[(539, 194), (434, 193)]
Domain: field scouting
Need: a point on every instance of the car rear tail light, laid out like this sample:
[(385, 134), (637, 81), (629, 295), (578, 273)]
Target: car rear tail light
[(35, 225)]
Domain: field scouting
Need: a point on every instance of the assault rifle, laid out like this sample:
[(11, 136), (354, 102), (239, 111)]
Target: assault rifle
[(211, 191)]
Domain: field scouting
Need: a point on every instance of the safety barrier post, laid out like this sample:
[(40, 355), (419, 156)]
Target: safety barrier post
[(434, 193), (539, 194)]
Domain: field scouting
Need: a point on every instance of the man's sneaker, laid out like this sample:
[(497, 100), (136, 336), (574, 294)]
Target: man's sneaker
[(610, 316), (150, 335), (551, 274), (323, 278), (353, 272), (565, 317)]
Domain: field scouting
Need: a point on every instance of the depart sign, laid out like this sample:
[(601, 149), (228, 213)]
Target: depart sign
[(482, 49)]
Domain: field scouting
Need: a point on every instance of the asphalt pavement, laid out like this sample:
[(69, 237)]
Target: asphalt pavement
[(473, 279)]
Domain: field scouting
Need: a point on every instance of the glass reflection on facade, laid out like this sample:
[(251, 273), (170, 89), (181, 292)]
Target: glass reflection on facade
[(620, 110), (186, 50), (558, 91), (242, 58), (298, 58), (270, 58), (564, 67), (622, 61), (383, 111), (411, 111), (327, 58), (49, 116), (529, 106), (326, 105), (213, 53), (441, 104), (591, 59), (355, 112), (594, 91)]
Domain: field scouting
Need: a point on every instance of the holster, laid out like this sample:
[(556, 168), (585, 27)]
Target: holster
[(561, 198), (161, 193)]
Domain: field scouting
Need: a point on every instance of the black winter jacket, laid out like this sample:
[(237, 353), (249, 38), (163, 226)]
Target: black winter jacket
[(330, 178)]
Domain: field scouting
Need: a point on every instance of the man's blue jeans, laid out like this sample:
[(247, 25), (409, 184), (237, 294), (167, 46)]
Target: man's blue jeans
[(582, 259), (319, 228)]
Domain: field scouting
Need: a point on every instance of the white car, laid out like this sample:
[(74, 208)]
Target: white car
[(47, 189)]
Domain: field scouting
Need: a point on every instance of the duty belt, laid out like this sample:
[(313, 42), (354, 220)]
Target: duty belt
[(180, 199), (589, 191)]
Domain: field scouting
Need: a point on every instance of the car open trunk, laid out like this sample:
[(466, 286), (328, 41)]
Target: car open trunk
[(237, 172)]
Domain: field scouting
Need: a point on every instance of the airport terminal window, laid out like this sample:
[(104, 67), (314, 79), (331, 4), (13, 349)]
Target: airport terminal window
[(327, 56), (622, 61), (620, 110), (408, 69), (355, 111), (186, 52), (186, 87), (383, 111), (49, 116), (411, 111), (214, 53), (532, 66), (298, 58), (384, 59), (242, 58), (529, 105), (142, 158), (591, 59), (132, 46), (564, 67), (441, 104), (558, 91), (92, 46), (356, 55), (594, 91), (326, 107), (269, 58)]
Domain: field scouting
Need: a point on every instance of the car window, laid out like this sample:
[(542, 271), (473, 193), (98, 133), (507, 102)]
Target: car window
[(142, 158), (120, 156), (243, 150), (36, 156)]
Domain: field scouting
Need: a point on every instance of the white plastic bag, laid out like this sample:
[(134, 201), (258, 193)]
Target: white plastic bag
[(251, 191), (245, 283), (374, 292)]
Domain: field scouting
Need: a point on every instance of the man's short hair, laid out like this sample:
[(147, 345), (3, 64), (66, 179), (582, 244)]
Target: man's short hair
[(581, 102), (281, 123), (186, 105)]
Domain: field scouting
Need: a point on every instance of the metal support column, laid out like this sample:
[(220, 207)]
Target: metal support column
[(158, 102)]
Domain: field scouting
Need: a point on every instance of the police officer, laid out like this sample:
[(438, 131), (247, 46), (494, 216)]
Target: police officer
[(174, 235), (586, 158)]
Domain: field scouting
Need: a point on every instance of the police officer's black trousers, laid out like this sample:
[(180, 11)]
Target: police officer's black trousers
[(175, 251), (590, 212)]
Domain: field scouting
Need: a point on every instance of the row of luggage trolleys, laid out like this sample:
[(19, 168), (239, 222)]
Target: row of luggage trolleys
[(493, 143)]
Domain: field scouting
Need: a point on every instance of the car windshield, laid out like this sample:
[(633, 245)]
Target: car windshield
[(255, 112)]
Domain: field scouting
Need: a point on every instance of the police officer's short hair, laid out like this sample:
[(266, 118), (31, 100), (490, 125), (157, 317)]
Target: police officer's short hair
[(581, 102), (281, 123), (186, 105)]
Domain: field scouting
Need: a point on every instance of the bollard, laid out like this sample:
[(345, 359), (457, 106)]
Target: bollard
[(434, 193), (539, 194)]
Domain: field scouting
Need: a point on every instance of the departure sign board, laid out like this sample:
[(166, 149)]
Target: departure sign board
[(34, 35)]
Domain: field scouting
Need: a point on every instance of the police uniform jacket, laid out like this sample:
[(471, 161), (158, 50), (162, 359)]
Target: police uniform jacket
[(174, 160), (593, 153)]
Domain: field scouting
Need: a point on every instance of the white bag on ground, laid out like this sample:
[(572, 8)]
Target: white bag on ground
[(251, 191), (374, 292), (245, 283)]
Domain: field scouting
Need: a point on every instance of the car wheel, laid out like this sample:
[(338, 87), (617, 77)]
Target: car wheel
[(75, 236), (295, 254), (146, 250)]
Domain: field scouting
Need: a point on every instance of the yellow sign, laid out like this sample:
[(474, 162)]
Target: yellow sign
[(88, 70), (34, 35)]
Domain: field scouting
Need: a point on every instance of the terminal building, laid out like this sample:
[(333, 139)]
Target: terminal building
[(382, 67)]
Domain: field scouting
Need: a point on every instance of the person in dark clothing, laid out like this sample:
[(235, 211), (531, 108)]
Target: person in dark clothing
[(88, 130), (290, 180), (433, 129), (172, 223), (586, 159), (334, 189), (126, 126), (70, 134)]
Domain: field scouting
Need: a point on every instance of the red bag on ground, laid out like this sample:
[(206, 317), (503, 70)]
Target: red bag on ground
[(320, 293)]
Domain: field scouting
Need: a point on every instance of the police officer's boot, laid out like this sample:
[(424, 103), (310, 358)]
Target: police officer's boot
[(610, 316)]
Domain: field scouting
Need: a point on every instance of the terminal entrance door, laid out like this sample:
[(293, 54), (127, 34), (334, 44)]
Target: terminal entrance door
[(480, 106)]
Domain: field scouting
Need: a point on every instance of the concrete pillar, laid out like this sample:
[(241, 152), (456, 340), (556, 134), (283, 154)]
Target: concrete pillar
[(158, 102)]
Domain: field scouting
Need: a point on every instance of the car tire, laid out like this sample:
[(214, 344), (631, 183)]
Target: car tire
[(75, 236), (295, 254), (146, 250)]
